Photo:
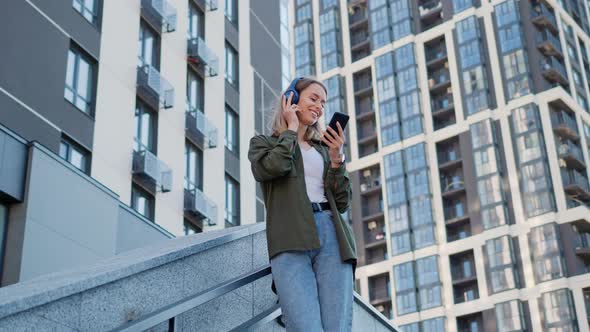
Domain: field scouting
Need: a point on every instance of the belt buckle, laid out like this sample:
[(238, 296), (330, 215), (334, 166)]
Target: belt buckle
[(316, 207)]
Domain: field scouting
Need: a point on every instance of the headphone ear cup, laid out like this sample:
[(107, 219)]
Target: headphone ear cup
[(295, 99)]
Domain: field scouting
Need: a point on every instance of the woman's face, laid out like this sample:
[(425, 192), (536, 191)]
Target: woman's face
[(311, 104)]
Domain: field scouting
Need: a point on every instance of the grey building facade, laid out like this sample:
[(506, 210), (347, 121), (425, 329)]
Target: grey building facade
[(111, 121), (468, 155)]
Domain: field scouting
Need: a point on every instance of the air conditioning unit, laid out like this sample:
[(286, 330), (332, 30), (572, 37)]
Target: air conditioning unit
[(166, 180)]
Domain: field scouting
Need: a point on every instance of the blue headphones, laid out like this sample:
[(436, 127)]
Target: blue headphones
[(291, 90)]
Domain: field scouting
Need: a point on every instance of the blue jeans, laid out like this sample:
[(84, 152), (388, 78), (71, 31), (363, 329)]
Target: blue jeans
[(315, 286)]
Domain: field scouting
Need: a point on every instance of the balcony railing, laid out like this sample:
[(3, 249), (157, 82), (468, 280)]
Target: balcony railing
[(436, 53), (548, 43), (370, 183), (379, 293), (210, 5), (442, 103), (448, 156), (199, 53), (203, 129), (358, 38), (430, 7), (152, 86), (463, 271), (439, 77), (554, 70), (568, 148), (562, 119), (196, 202), (362, 83), (358, 16), (572, 177), (160, 14), (543, 16), (146, 164), (451, 183), (456, 211)]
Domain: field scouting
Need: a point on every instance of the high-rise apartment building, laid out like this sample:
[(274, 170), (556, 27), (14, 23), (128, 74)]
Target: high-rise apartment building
[(125, 122), (469, 146)]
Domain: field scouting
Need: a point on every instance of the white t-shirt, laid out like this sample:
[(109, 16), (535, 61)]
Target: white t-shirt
[(313, 164)]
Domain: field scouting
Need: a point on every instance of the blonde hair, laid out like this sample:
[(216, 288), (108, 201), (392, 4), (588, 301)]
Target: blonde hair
[(278, 124)]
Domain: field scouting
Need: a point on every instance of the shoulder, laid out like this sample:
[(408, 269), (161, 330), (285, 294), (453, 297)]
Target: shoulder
[(262, 141)]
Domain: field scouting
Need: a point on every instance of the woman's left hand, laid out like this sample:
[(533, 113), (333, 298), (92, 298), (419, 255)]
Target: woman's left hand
[(335, 141)]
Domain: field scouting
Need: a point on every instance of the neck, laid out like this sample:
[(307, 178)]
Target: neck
[(301, 132)]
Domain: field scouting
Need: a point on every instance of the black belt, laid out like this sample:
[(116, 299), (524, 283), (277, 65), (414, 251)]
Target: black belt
[(317, 207)]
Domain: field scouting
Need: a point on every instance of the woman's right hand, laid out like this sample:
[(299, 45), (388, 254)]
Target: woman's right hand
[(290, 112)]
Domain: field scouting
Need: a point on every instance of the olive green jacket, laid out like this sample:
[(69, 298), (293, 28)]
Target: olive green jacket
[(278, 165)]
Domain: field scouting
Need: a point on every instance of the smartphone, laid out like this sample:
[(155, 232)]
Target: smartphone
[(340, 118)]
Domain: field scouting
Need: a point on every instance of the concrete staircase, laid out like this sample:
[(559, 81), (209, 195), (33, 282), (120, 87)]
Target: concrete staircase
[(154, 280)]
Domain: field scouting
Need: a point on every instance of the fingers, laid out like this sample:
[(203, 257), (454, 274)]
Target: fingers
[(340, 131), (338, 138), (290, 98)]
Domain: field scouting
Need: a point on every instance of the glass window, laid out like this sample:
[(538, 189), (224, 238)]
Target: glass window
[(404, 56), (193, 177), (470, 54), (231, 11), (467, 29), (384, 65), (79, 81), (461, 5), (145, 129), (509, 37), (3, 229), (231, 65), (509, 316), (406, 80), (303, 33), (232, 202), (405, 288), (506, 13), (75, 155), (500, 264), (196, 22), (142, 202), (433, 325), (415, 157), (546, 255), (194, 92), (303, 12), (149, 46), (232, 131), (87, 8), (428, 282), (413, 327), (515, 64), (490, 190), (558, 310)]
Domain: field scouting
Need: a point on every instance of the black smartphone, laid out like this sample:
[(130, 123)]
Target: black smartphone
[(340, 118)]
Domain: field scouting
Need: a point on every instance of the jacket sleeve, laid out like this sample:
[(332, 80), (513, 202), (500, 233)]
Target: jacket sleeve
[(338, 183), (270, 161)]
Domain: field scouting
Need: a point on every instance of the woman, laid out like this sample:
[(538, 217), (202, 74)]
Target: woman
[(305, 187)]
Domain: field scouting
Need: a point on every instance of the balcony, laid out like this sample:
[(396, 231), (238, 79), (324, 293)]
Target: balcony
[(358, 19), (439, 81), (147, 166), (548, 44), (367, 136), (544, 17), (370, 184), (379, 295), (463, 274), (451, 186), (160, 14), (199, 129), (571, 154), (554, 71), (436, 56), (430, 9), (575, 183), (359, 40), (210, 5), (200, 54), (442, 105), (374, 234), (449, 159), (456, 214), (153, 88), (564, 124), (583, 245), (196, 203)]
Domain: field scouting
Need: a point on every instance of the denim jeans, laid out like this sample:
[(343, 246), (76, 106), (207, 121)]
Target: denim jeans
[(315, 287)]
